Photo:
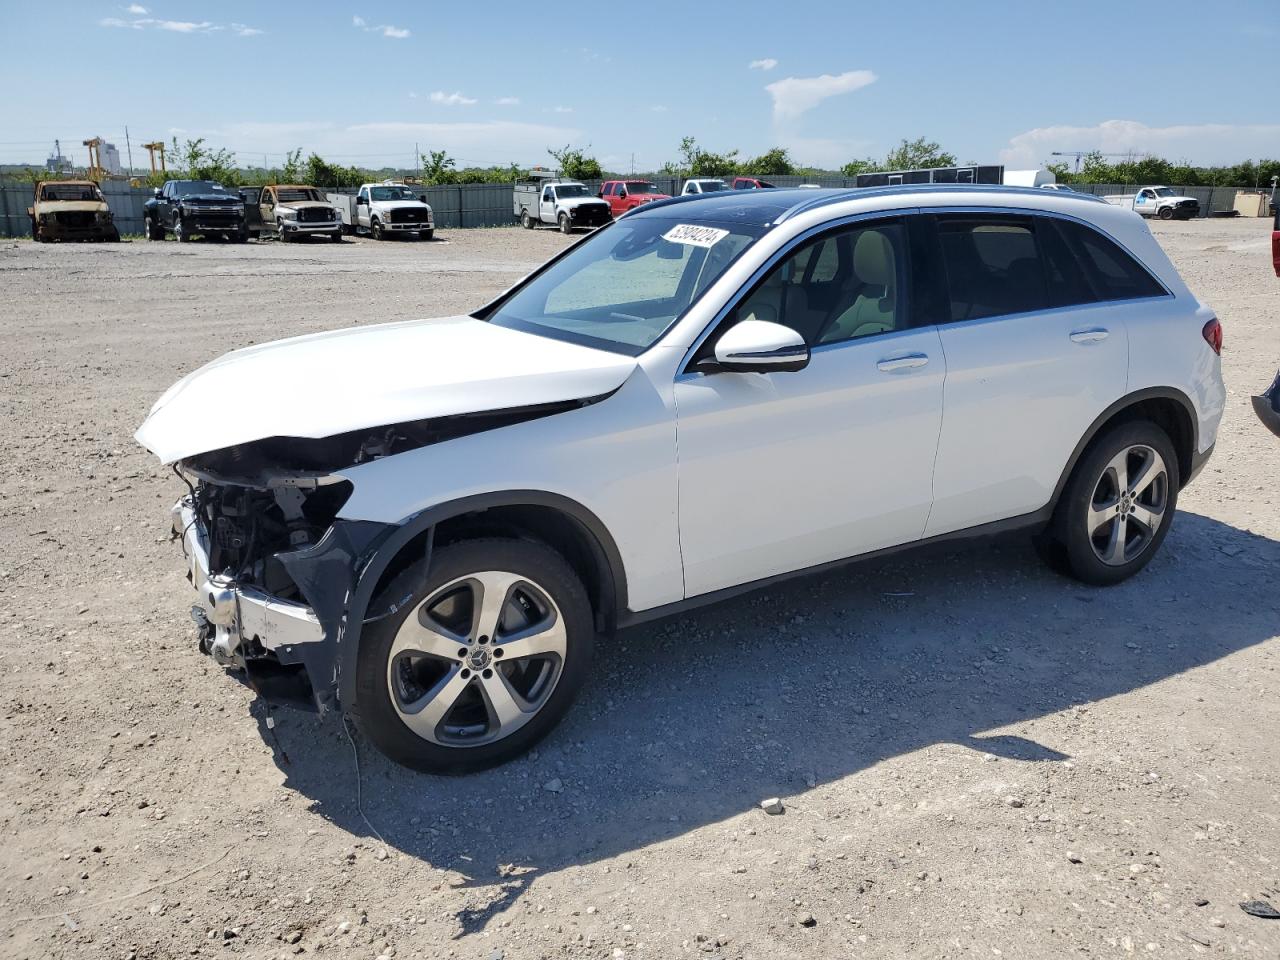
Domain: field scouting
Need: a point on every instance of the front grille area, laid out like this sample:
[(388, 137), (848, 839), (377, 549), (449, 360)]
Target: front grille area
[(409, 215), (314, 215), (592, 215), (75, 218)]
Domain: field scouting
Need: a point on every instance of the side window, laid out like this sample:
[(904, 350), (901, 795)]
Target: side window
[(841, 286), (547, 196), (1109, 271), (364, 193), (993, 266)]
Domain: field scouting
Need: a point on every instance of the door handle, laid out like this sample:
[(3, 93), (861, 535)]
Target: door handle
[(908, 362), (1089, 336)]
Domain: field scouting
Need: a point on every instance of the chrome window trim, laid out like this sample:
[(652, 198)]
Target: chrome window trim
[(683, 370)]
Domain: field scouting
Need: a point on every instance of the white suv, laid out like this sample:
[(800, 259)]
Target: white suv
[(428, 524)]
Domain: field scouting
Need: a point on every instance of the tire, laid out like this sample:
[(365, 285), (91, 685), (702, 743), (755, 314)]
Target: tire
[(426, 234), (180, 231), (36, 233), (526, 221), (1102, 532), (336, 236), (150, 230), (241, 237), (113, 236), (566, 225), (375, 229), (463, 732), (1165, 213), (284, 237)]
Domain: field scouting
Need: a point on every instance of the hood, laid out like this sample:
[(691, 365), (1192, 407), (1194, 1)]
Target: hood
[(574, 202), (329, 383), (210, 198), (399, 204), (306, 205)]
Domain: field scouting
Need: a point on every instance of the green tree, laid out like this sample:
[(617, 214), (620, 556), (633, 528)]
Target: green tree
[(292, 169), (438, 168), (575, 164), (918, 154), (772, 163), (319, 172), (202, 163), (855, 167), (696, 162)]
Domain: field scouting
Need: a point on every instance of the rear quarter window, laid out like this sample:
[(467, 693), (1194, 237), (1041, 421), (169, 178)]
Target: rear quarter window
[(1110, 272)]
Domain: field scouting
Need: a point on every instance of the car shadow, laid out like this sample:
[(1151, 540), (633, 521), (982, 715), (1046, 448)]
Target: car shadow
[(694, 720)]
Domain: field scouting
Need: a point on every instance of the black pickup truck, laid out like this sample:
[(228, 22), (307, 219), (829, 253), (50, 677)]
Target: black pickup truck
[(187, 208)]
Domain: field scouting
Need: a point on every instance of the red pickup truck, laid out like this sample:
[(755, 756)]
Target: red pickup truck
[(624, 195)]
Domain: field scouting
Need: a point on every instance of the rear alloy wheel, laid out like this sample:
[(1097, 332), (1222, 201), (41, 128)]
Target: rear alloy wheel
[(566, 225), (1118, 505), (481, 658)]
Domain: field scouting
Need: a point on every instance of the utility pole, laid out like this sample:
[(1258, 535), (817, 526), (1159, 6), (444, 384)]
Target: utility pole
[(128, 147), (417, 161)]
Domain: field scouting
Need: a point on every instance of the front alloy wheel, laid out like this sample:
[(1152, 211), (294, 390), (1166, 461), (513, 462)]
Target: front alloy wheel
[(481, 661)]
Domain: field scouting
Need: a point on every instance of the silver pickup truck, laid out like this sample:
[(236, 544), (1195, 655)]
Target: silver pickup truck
[(566, 203)]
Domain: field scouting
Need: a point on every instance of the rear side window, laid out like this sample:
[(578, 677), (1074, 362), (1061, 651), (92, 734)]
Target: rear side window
[(1110, 272), (993, 266)]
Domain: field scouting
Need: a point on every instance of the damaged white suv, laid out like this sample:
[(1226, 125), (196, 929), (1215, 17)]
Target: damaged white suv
[(428, 524)]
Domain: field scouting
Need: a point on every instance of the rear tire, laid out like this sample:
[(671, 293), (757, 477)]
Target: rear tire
[(1117, 507), (415, 665), (526, 221)]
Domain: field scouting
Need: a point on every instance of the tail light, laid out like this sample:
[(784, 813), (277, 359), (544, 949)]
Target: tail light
[(1212, 334)]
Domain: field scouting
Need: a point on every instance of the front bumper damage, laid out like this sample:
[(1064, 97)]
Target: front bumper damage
[(290, 651)]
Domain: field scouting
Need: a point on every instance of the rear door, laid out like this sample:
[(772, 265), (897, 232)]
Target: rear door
[(1032, 361)]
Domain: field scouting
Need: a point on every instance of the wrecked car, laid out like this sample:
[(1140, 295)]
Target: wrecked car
[(71, 210), (428, 524)]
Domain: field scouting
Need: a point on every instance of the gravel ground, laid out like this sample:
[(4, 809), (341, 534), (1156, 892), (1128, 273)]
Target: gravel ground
[(976, 758)]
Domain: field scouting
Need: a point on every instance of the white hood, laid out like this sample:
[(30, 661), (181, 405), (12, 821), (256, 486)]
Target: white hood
[(329, 383)]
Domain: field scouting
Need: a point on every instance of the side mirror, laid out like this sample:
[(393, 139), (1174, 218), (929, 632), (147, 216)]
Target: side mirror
[(360, 200), (622, 193), (758, 346), (422, 198), (156, 191)]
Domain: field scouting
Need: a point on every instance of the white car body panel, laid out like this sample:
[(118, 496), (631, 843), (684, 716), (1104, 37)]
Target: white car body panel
[(706, 481), (328, 383)]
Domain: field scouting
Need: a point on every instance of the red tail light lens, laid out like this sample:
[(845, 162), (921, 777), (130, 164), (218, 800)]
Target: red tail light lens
[(1212, 334)]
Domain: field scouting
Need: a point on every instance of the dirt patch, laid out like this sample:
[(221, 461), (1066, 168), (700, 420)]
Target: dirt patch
[(975, 757)]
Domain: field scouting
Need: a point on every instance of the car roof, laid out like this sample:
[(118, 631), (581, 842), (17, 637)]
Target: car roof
[(767, 207)]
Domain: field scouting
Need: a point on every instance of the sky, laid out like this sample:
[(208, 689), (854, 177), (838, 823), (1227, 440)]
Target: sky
[(362, 81)]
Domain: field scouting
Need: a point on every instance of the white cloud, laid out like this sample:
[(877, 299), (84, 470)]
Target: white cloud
[(386, 29), (768, 63), (508, 101), (176, 26), (562, 109), (658, 108), (795, 96), (1204, 143), (137, 9), (454, 99)]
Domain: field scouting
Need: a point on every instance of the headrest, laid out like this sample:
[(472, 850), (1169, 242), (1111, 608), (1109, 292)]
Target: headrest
[(873, 259)]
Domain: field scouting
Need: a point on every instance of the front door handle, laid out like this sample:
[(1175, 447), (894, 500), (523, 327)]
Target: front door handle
[(1089, 336), (908, 362)]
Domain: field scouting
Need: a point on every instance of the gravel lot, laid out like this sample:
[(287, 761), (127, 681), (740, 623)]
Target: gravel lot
[(977, 758)]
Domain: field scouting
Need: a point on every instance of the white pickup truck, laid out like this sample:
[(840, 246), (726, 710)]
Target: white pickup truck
[(1163, 202), (389, 208), (566, 203)]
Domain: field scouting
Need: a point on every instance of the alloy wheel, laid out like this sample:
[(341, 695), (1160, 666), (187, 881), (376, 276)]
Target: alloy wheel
[(1128, 505), (477, 659)]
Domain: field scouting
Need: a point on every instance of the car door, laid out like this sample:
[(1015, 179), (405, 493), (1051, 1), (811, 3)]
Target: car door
[(267, 210), (786, 470), (1145, 202), (547, 206), (1032, 361), (362, 208), (164, 206), (252, 197)]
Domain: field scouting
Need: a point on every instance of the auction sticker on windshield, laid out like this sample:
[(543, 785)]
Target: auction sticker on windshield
[(695, 236)]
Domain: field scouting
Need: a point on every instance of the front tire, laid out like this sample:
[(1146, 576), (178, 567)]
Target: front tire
[(375, 229), (1117, 507), (1165, 213), (566, 225), (180, 231), (481, 659), (426, 234)]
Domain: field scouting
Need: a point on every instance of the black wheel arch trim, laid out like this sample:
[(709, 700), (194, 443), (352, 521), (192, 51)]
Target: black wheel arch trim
[(383, 548)]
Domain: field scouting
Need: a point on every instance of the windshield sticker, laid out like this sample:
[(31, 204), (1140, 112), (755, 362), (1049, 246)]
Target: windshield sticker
[(695, 236)]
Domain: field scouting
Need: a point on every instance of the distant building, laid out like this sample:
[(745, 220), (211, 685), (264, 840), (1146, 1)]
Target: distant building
[(110, 159), (57, 163)]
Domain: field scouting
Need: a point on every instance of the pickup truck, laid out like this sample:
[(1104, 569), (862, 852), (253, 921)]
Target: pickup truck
[(624, 195), (389, 208), (290, 211), (1162, 202), (566, 203), (703, 185), (187, 208), (70, 210)]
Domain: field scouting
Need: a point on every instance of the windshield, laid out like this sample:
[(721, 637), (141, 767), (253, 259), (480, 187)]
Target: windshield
[(1165, 192), (625, 285), (641, 186), (566, 190), (710, 186), (187, 188), (392, 193), (70, 191), (296, 195)]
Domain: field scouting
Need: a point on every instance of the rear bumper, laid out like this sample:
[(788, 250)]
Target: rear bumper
[(1198, 460)]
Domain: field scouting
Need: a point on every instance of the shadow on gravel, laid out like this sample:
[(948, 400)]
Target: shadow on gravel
[(695, 720)]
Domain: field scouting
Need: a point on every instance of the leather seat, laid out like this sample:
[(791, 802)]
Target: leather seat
[(875, 279)]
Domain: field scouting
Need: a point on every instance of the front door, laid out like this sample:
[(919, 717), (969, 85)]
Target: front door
[(786, 470), (547, 206)]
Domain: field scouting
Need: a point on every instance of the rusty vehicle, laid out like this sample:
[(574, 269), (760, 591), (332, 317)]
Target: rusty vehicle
[(70, 210), (290, 212)]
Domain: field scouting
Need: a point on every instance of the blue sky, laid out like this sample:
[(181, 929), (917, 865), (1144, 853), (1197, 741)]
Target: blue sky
[(360, 81)]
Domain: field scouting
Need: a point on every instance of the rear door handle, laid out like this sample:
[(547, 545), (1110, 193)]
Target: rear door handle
[(1089, 336), (908, 362)]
